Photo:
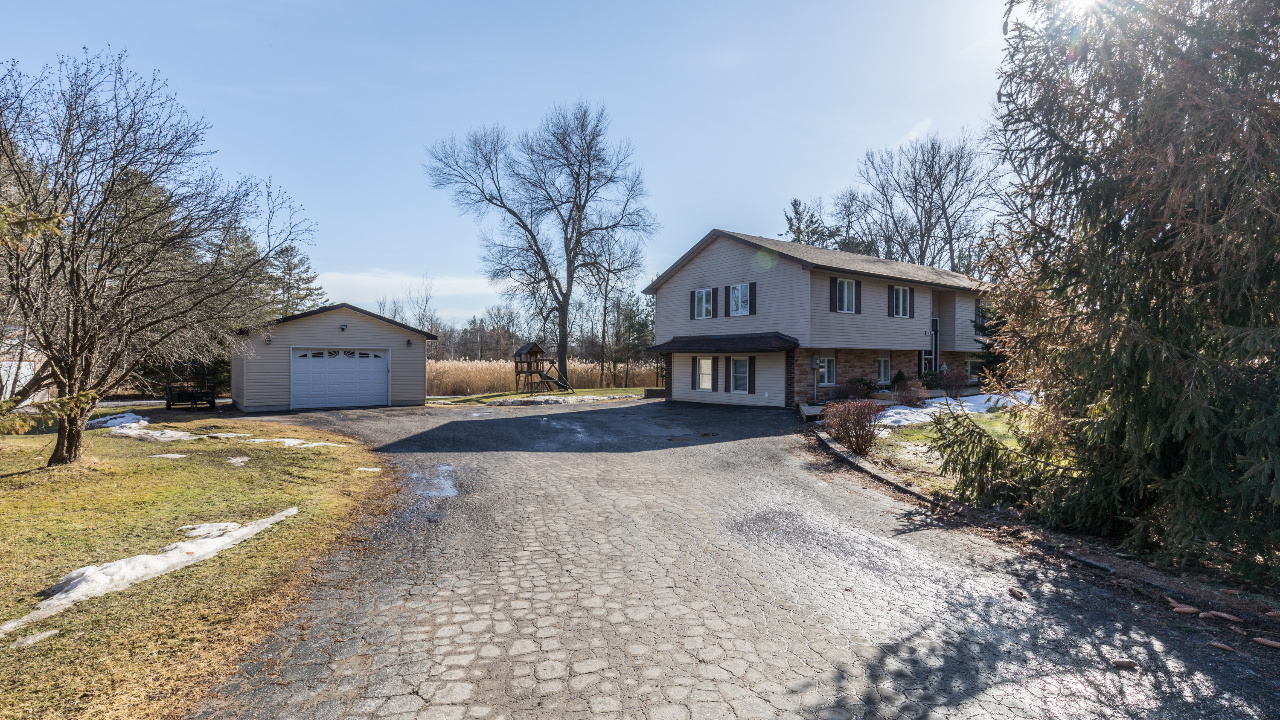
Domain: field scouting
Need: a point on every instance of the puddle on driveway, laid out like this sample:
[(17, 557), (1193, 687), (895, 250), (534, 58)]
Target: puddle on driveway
[(439, 483)]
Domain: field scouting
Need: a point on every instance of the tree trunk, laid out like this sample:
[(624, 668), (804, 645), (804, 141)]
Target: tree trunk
[(562, 341), (70, 443)]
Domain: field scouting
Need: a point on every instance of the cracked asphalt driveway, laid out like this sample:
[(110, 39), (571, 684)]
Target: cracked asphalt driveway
[(659, 561)]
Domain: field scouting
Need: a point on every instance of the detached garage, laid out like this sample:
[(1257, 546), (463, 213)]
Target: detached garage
[(335, 356)]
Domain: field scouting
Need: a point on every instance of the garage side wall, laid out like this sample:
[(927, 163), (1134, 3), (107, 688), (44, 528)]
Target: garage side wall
[(771, 383), (266, 367), (237, 380)]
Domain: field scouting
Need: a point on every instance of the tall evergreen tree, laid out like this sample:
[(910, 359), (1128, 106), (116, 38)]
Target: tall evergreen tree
[(292, 283), (1139, 278)]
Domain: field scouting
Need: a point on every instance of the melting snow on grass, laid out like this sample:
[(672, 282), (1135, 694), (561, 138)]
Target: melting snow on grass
[(902, 415), (131, 425), (169, 456), (115, 420), (559, 399), (293, 442), (94, 580)]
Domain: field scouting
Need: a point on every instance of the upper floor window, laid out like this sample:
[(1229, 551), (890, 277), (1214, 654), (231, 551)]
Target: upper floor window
[(846, 296), (703, 304), (901, 301), (740, 300)]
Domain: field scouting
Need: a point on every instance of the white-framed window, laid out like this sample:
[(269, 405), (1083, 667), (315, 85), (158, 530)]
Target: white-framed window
[(704, 374), (703, 304), (740, 300), (846, 295), (826, 371), (901, 301), (975, 369), (740, 377), (882, 371)]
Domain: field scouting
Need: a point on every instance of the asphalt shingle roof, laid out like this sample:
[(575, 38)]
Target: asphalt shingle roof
[(743, 342), (833, 260)]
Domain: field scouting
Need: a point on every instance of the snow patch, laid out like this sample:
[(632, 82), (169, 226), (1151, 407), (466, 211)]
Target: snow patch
[(94, 580), (138, 429), (30, 640), (897, 415), (293, 442), (558, 399), (238, 461), (111, 421), (370, 469), (169, 456)]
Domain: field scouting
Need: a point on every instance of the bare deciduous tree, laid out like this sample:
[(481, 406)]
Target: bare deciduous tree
[(560, 192), (155, 249)]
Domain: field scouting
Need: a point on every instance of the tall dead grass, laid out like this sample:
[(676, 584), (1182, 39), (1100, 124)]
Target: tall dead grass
[(480, 377)]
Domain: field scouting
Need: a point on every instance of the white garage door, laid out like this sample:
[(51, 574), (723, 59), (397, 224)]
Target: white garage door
[(337, 377)]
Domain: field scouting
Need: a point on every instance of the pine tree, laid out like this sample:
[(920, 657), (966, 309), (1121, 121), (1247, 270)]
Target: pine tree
[(1139, 282), (293, 283)]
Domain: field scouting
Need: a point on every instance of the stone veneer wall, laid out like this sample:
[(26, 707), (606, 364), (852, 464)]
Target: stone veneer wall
[(954, 360), (849, 364)]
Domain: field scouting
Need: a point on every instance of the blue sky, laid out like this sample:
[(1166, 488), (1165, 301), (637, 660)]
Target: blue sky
[(733, 108)]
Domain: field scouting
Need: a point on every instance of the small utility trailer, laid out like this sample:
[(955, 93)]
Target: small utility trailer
[(188, 384)]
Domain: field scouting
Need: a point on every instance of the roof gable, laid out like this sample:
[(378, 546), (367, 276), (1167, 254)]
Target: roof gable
[(353, 308), (838, 261)]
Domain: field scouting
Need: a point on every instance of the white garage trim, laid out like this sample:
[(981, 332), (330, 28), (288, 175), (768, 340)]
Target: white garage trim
[(322, 377)]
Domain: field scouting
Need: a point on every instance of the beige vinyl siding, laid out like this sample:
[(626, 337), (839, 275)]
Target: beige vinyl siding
[(872, 328), (237, 380), (780, 290), (771, 376), (946, 321), (266, 367), (965, 339)]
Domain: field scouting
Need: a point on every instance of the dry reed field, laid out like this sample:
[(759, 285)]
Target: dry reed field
[(476, 377)]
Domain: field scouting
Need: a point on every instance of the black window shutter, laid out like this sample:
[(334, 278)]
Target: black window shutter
[(857, 296), (693, 296), (715, 372), (714, 301), (728, 374), (977, 312), (726, 301), (751, 375), (911, 302), (834, 288), (890, 301), (752, 300), (693, 383)]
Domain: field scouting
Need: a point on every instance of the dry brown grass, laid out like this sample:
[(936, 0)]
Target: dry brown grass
[(149, 651), (480, 377)]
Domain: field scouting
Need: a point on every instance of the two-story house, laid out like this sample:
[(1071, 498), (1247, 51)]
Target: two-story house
[(748, 320)]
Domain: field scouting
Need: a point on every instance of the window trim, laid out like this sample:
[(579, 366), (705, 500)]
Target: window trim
[(901, 301), (746, 375), (710, 380), (741, 288), (703, 304), (846, 294), (830, 379), (884, 371)]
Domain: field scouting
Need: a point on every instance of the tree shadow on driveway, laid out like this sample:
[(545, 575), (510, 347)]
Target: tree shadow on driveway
[(625, 428)]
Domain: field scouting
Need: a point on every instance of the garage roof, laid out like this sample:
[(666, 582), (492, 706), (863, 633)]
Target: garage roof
[(362, 311), (744, 342)]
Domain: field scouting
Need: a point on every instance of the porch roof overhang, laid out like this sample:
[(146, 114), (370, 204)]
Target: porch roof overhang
[(744, 342)]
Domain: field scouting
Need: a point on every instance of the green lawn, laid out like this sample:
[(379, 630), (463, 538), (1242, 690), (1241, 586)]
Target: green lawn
[(906, 450), (145, 651), (482, 399)]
